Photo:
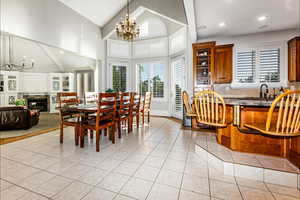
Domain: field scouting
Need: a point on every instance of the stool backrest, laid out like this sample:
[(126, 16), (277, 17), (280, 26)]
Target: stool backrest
[(186, 102), (285, 114), (210, 108)]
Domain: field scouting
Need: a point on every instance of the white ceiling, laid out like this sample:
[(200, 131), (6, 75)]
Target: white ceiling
[(241, 16), (98, 11)]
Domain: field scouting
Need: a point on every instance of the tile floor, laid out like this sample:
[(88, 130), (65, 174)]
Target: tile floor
[(158, 162)]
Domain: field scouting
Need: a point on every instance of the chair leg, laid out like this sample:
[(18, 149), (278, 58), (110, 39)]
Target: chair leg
[(97, 140), (91, 134), (61, 136), (129, 125), (119, 129), (105, 132), (113, 134), (138, 121), (148, 117), (143, 116), (81, 135), (76, 129)]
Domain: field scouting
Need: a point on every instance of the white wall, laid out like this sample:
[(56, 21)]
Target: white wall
[(53, 23)]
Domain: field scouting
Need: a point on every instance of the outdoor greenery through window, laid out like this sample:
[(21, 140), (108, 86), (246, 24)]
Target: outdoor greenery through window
[(151, 79), (119, 78)]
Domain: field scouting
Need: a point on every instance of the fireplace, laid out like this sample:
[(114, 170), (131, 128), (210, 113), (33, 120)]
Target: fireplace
[(38, 102)]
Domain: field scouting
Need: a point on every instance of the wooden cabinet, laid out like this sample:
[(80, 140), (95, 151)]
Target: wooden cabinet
[(203, 61), (211, 64), (294, 59), (222, 68)]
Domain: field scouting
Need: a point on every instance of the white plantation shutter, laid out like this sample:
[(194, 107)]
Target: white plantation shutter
[(269, 65), (245, 66), (179, 72)]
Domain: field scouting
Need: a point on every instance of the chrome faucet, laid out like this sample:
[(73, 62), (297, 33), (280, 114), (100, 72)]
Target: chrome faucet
[(263, 94)]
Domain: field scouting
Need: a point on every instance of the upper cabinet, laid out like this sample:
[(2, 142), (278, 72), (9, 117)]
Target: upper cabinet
[(211, 63), (294, 59), (222, 69)]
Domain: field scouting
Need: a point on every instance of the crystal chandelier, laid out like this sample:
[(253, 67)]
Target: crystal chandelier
[(127, 28), (10, 66)]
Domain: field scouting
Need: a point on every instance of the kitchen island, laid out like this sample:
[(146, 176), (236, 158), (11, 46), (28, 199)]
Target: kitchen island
[(238, 138)]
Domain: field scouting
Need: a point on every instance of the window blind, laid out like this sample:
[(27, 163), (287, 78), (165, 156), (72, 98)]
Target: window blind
[(269, 65), (245, 66), (178, 85)]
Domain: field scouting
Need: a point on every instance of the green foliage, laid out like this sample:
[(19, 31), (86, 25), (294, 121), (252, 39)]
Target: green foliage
[(20, 102)]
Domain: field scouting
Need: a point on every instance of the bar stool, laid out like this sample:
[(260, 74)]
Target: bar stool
[(210, 109), (283, 116), (190, 112)]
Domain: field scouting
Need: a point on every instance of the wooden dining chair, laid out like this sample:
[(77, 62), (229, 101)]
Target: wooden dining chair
[(210, 109), (135, 101), (123, 112), (283, 116), (145, 108), (105, 118), (68, 118), (190, 112)]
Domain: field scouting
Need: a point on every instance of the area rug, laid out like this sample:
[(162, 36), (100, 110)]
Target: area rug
[(48, 122)]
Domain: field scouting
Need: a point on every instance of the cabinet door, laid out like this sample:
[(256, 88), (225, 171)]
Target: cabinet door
[(222, 70), (292, 61)]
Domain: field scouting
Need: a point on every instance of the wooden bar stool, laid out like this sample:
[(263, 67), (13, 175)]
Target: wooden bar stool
[(190, 112), (210, 109), (283, 116)]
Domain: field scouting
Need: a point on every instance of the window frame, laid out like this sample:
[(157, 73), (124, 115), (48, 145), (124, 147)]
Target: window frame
[(110, 73), (166, 79), (283, 66)]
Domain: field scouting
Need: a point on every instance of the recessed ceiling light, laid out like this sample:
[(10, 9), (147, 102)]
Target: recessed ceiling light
[(262, 18), (61, 52), (222, 24)]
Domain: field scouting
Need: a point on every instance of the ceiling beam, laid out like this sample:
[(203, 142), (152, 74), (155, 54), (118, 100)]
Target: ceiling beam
[(52, 57), (191, 18), (173, 9)]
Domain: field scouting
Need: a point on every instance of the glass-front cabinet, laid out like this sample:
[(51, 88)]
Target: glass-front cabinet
[(55, 82)]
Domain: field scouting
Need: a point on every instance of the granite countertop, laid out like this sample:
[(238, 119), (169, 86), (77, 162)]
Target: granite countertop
[(249, 101)]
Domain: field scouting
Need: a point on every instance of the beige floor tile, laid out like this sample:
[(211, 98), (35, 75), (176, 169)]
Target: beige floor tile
[(170, 178), (224, 190), (154, 161), (188, 195), (147, 173), (122, 197), (279, 189), (113, 182), (137, 188), (109, 164), (195, 184), (251, 183), (196, 169), (76, 171), (100, 194), (53, 186), (4, 185), (127, 168), (164, 192), (75, 191), (93, 176), (255, 194), (36, 180), (284, 197), (136, 158), (174, 165), (33, 196), (13, 193)]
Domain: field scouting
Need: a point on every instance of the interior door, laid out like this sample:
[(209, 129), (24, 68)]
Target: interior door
[(178, 80)]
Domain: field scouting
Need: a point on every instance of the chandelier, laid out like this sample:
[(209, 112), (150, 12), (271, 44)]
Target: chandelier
[(10, 65), (127, 28)]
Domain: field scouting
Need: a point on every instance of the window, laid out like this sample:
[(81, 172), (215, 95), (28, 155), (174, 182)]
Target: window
[(151, 79), (119, 78), (257, 66)]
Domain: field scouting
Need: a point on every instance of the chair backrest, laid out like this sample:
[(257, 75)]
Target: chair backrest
[(285, 113), (124, 107), (135, 101), (67, 98), (106, 107), (210, 108), (186, 102), (90, 97), (147, 101)]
